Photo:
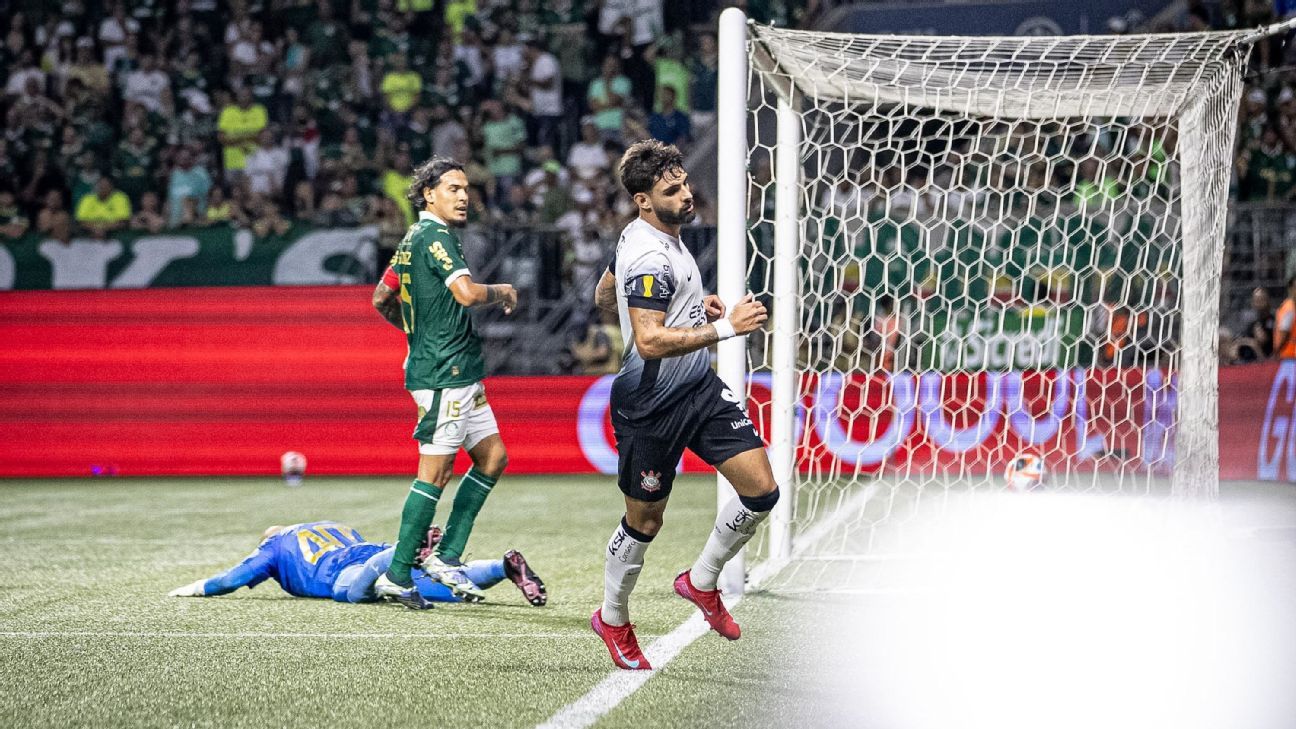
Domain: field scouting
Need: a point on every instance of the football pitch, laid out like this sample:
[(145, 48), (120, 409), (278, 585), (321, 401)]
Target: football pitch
[(1015, 620), (88, 636)]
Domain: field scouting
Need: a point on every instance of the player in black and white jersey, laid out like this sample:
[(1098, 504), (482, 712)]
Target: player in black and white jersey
[(666, 398)]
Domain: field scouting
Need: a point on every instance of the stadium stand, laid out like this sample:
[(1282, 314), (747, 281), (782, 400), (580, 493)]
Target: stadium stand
[(280, 116)]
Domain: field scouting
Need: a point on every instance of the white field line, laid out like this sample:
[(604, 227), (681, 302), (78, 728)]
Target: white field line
[(252, 635), (770, 567), (618, 685)]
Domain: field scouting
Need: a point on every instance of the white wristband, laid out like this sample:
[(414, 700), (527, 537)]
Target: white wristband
[(724, 329)]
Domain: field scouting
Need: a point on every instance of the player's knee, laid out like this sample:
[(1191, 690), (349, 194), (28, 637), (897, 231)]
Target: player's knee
[(646, 524), (499, 462), (494, 463), (650, 527), (764, 502), (437, 475)]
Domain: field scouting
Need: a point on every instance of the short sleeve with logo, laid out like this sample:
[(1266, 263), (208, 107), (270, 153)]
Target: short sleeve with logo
[(656, 271), (649, 283), (444, 349)]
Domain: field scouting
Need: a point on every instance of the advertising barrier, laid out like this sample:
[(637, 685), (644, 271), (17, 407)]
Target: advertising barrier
[(222, 381), (218, 256)]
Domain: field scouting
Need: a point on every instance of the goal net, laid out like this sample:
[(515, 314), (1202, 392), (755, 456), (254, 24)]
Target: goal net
[(977, 248)]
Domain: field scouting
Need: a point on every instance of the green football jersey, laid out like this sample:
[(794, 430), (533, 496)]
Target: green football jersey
[(444, 349)]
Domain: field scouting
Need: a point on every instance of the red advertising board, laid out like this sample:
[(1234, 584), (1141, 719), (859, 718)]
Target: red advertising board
[(221, 381), (1258, 422)]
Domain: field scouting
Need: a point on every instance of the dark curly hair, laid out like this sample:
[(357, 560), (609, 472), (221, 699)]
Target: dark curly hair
[(428, 175), (646, 162)]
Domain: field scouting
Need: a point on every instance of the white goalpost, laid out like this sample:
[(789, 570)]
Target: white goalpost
[(973, 248)]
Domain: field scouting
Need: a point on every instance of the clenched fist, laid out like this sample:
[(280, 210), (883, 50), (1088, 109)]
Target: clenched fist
[(748, 315)]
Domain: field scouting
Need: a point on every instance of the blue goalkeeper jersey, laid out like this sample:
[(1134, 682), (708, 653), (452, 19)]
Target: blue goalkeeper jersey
[(304, 559)]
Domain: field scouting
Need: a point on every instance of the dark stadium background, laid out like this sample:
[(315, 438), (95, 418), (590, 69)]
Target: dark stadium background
[(248, 332)]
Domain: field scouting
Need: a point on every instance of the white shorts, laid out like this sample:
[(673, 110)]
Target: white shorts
[(452, 418)]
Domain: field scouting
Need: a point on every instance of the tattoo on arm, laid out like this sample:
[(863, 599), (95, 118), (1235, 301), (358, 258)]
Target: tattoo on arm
[(605, 293), (494, 294), (392, 313), (655, 340), (387, 303)]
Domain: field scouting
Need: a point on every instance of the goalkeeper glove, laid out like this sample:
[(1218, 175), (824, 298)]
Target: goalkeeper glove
[(194, 589)]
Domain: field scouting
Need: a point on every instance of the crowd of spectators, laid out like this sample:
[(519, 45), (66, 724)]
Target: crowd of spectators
[(1264, 175), (149, 115), (155, 114), (268, 112), (994, 178)]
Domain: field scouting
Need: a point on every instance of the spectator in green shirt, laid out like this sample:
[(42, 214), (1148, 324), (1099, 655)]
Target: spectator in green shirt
[(1267, 169), (400, 89), (107, 210), (417, 135), (457, 13), (671, 73), (133, 165), (395, 184), (84, 177), (12, 221), (503, 138), (238, 127), (326, 38), (1093, 188), (189, 184), (608, 95)]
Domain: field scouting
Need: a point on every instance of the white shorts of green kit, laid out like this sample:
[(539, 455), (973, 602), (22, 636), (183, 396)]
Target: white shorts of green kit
[(453, 418)]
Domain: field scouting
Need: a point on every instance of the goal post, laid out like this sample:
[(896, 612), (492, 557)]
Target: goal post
[(731, 235), (732, 208), (972, 247)]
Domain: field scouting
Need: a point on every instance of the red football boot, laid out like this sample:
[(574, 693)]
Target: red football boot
[(708, 601), (621, 643)]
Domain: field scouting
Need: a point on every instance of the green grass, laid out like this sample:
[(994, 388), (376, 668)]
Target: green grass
[(89, 638)]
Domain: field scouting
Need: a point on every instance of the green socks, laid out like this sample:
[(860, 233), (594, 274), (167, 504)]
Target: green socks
[(474, 487), (420, 509), (416, 517)]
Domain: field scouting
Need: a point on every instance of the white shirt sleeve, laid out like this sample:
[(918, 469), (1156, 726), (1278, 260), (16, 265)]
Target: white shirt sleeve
[(455, 275)]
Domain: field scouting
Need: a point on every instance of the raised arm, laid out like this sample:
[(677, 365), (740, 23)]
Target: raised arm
[(469, 293)]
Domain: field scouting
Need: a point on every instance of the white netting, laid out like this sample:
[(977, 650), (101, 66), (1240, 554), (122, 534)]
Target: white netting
[(1003, 246)]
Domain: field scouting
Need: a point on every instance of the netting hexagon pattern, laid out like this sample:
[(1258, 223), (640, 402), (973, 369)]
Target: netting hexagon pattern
[(1005, 246)]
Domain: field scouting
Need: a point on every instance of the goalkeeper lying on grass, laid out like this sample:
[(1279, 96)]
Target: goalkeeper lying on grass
[(328, 559)]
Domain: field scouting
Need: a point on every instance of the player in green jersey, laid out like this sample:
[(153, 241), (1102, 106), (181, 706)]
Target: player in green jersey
[(443, 372)]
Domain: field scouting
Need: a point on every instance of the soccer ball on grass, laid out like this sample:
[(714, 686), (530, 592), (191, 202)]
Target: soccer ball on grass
[(1025, 472)]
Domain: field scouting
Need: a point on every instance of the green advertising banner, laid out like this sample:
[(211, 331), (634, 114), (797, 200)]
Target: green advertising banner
[(1005, 339), (218, 256), (997, 294)]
